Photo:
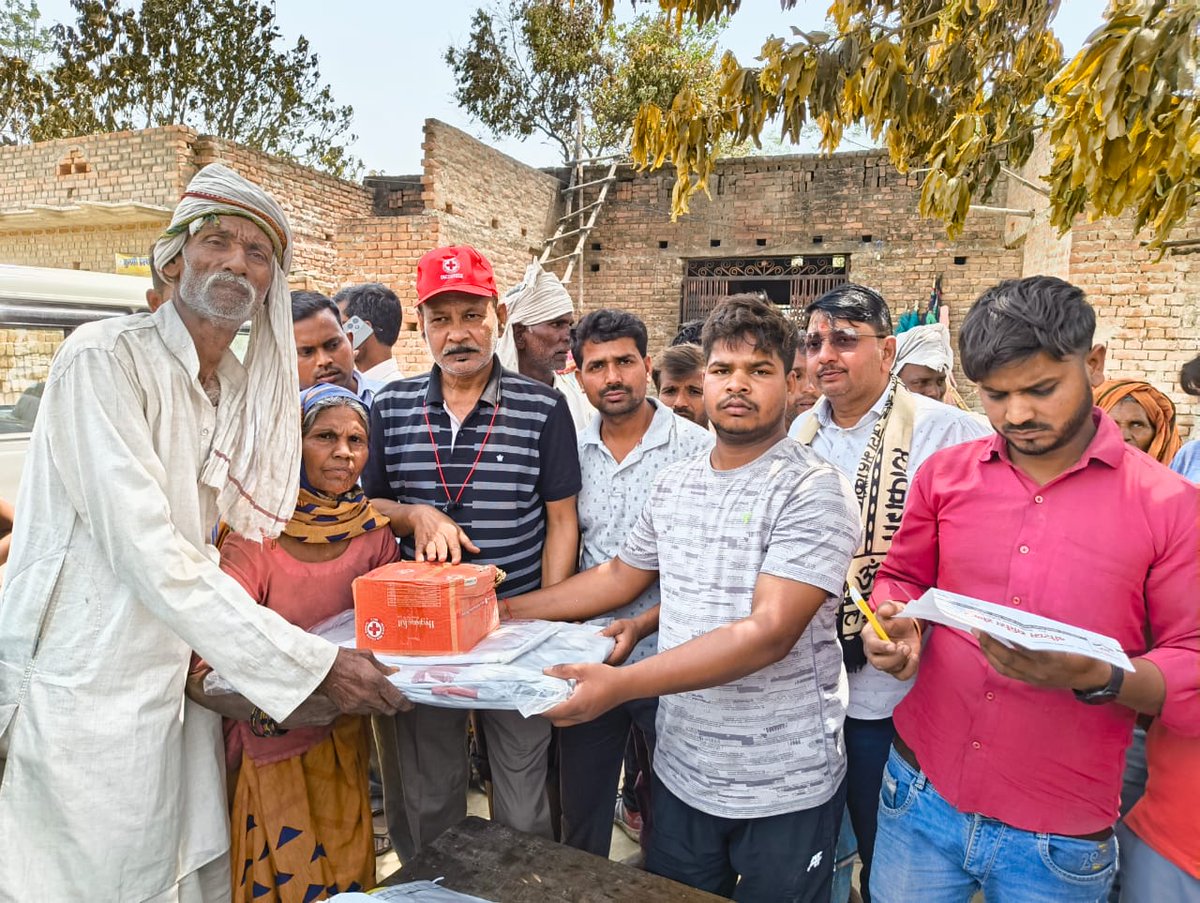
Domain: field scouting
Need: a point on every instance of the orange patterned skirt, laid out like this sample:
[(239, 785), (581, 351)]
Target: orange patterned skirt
[(301, 828)]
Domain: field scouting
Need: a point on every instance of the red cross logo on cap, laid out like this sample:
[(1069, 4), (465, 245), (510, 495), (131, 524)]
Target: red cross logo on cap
[(450, 265)]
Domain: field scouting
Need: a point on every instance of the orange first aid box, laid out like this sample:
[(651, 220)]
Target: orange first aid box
[(425, 608)]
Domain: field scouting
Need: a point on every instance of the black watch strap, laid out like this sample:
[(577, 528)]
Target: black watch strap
[(1106, 693)]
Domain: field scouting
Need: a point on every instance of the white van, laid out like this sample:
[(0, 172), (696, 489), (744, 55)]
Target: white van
[(39, 308)]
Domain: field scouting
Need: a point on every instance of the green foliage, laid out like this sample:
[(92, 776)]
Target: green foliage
[(961, 88), (534, 65), (1126, 129), (214, 65), (24, 44)]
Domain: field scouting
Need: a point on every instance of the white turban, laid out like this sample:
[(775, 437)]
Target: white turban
[(928, 346), (538, 298), (254, 464)]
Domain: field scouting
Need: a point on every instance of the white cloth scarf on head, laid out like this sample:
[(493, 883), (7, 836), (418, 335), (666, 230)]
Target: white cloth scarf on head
[(927, 346), (538, 298), (254, 464)]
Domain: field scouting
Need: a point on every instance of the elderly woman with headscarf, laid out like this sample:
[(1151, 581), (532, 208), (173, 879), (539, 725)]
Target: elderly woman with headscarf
[(537, 340), (1145, 415), (301, 814)]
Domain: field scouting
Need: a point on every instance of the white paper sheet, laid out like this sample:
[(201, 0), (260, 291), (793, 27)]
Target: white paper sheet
[(1014, 627)]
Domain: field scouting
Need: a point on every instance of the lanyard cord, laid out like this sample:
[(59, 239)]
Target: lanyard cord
[(453, 503)]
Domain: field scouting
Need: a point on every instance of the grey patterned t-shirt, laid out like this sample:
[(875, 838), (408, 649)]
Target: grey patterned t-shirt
[(771, 742)]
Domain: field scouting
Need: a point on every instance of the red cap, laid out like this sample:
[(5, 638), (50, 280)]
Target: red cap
[(459, 268)]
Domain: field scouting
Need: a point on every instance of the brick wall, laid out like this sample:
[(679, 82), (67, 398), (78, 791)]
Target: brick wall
[(386, 250), (486, 199), (145, 166), (91, 248), (1044, 251), (1148, 310), (856, 203)]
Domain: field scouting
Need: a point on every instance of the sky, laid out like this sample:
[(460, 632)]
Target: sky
[(385, 59)]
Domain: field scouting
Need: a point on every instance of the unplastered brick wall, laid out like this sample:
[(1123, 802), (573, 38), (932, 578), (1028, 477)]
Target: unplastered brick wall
[(487, 199), (386, 250), (93, 248), (144, 166), (856, 204), (1147, 309), (1044, 251)]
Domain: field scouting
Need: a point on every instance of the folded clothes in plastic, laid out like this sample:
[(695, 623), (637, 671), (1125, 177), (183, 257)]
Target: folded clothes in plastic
[(501, 672)]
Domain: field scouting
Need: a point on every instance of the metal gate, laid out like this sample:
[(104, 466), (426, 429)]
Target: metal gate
[(790, 282)]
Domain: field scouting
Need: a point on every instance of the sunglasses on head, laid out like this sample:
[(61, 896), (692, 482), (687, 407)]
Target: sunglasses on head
[(840, 340)]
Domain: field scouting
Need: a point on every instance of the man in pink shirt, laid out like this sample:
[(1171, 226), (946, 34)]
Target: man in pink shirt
[(1006, 769)]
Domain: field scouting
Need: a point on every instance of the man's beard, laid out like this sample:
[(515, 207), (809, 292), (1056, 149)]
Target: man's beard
[(214, 298), (1061, 438)]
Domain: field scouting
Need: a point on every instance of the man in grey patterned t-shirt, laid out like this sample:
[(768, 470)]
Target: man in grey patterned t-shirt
[(621, 453), (750, 545)]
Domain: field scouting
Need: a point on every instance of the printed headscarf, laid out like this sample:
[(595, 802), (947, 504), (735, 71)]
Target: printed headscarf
[(319, 517), (1159, 408), (254, 464), (538, 298)]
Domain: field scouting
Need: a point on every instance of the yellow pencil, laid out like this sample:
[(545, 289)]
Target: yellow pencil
[(862, 605)]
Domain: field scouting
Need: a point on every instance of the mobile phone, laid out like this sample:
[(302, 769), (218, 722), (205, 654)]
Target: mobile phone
[(359, 331)]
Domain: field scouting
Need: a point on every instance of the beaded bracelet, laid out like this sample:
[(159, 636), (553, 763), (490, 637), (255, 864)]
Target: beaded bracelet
[(263, 725)]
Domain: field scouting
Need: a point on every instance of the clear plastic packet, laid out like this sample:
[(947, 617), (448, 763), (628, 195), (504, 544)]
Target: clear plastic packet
[(517, 684)]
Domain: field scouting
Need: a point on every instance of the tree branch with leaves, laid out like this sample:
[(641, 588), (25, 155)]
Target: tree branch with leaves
[(961, 88)]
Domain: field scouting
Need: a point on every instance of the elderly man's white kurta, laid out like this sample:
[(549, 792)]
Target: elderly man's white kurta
[(111, 784)]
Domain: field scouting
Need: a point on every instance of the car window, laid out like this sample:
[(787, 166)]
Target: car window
[(25, 355)]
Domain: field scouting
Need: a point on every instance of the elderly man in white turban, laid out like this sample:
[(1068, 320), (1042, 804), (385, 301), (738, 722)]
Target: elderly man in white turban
[(538, 338), (925, 363), (150, 433)]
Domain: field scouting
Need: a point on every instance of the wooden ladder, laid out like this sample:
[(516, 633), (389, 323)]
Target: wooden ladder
[(580, 218)]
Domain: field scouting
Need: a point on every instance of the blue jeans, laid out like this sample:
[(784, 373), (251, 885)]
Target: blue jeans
[(777, 859), (927, 850), (868, 743)]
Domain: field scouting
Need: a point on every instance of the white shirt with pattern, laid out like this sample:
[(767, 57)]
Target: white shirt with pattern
[(873, 694), (613, 494)]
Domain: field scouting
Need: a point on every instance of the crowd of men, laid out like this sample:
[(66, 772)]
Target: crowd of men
[(722, 523)]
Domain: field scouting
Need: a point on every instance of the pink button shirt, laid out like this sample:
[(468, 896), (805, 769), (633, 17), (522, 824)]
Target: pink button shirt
[(1111, 545)]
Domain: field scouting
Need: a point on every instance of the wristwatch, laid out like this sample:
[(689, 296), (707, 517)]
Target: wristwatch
[(1106, 693)]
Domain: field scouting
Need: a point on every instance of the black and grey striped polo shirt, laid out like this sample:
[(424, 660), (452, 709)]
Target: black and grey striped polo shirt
[(530, 458)]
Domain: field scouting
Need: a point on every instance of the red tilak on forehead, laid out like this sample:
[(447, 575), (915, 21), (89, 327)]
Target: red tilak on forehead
[(275, 227)]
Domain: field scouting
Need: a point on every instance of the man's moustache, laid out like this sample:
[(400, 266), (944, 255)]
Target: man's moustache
[(461, 349)]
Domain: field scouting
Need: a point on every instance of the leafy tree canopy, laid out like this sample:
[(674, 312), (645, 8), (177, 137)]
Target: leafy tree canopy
[(218, 66), (532, 66), (962, 88)]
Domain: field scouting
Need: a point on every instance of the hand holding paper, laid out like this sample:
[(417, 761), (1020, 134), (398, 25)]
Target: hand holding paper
[(1022, 633), (1055, 670)]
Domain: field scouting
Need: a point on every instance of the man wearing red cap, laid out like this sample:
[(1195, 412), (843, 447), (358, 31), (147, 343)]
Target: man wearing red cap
[(471, 462)]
